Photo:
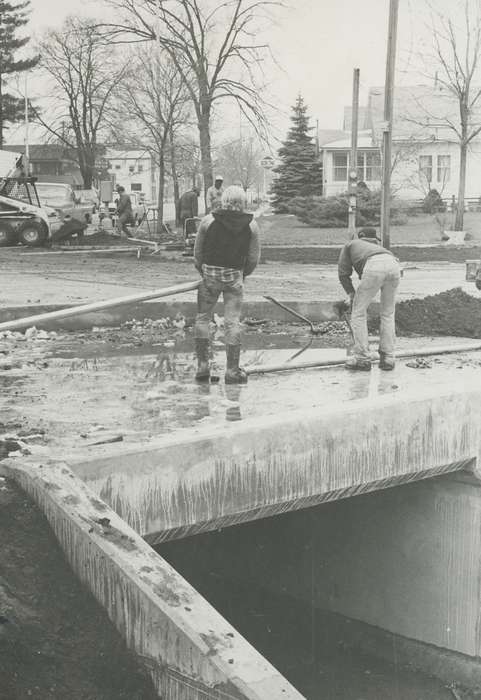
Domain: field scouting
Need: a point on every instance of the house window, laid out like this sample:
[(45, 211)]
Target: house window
[(339, 161), (117, 166), (369, 167), (444, 169), (131, 168), (136, 187), (140, 168), (426, 167)]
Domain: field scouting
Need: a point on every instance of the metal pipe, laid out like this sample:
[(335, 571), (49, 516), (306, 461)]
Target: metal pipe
[(326, 364), (291, 311), (28, 321)]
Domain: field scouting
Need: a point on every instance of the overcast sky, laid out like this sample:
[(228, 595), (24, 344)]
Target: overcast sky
[(317, 43)]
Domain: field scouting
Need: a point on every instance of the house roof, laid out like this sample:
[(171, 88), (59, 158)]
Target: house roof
[(43, 151), (328, 135), (364, 140), (127, 153), (421, 112), (362, 120)]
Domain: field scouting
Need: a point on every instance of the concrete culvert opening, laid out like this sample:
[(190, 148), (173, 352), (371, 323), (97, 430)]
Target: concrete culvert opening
[(369, 597)]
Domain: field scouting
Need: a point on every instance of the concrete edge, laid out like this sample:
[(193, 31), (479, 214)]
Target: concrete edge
[(259, 513), (317, 311), (187, 647), (228, 474), (188, 441)]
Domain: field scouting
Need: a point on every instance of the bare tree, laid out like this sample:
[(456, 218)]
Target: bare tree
[(455, 65), (239, 161), (85, 73), (214, 48), (155, 106)]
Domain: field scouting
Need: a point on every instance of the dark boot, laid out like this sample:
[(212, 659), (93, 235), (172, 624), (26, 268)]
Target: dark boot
[(359, 364), (233, 373), (386, 362), (202, 352)]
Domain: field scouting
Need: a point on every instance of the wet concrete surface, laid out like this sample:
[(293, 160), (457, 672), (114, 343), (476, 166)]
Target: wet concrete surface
[(74, 395)]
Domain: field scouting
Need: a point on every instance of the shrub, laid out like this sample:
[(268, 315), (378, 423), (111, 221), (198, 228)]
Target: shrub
[(332, 212), (433, 203), (320, 212)]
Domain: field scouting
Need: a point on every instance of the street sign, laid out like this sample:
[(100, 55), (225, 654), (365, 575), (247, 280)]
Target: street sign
[(268, 162)]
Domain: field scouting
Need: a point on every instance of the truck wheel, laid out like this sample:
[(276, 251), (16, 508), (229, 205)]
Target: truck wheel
[(33, 234), (7, 234)]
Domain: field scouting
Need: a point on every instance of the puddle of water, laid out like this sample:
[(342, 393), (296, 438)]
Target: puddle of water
[(77, 401)]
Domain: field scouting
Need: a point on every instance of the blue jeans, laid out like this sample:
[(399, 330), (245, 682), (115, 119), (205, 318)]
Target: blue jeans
[(207, 296), (381, 272)]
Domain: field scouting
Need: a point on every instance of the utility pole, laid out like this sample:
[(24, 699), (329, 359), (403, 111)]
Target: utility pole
[(27, 145), (353, 155), (387, 126)]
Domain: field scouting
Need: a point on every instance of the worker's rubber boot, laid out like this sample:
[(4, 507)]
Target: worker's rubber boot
[(202, 352), (386, 362), (233, 373), (355, 363)]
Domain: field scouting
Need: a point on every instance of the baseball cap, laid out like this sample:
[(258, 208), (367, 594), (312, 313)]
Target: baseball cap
[(368, 232)]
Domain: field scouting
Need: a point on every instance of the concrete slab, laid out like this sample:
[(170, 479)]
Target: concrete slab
[(140, 397), (182, 485)]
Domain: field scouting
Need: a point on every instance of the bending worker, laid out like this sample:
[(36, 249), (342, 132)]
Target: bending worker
[(377, 269), (227, 250), (189, 209)]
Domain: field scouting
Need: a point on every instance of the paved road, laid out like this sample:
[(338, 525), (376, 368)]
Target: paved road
[(35, 277)]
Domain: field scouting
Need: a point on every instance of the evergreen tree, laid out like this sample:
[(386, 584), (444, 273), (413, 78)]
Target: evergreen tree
[(13, 16), (299, 172)]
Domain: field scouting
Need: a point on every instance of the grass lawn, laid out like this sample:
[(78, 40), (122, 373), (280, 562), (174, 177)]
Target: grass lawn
[(281, 229)]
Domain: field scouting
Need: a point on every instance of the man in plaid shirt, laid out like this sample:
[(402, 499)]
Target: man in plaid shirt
[(227, 249)]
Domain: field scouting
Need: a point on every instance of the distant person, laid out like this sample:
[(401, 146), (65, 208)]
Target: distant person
[(227, 250), (124, 212), (214, 194), (189, 208), (378, 270)]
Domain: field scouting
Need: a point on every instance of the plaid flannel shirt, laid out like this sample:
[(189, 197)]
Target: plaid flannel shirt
[(222, 274)]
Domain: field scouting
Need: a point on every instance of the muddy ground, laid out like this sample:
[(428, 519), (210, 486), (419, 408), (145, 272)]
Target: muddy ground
[(56, 642)]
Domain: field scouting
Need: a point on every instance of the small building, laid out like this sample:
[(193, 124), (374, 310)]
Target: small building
[(51, 162), (425, 148)]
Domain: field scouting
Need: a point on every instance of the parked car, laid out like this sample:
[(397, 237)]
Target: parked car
[(89, 197), (138, 206), (65, 201)]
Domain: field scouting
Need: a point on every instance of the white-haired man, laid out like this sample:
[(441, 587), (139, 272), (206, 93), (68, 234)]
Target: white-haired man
[(227, 249), (214, 194)]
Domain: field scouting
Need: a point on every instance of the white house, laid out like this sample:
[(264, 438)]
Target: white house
[(425, 149), (134, 169)]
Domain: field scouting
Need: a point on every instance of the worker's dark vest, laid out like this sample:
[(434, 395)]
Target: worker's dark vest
[(227, 246)]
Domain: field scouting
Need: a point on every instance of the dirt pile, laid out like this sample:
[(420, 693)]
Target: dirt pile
[(56, 642), (449, 313)]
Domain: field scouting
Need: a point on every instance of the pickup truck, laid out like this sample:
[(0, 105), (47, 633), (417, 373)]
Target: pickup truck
[(62, 198)]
